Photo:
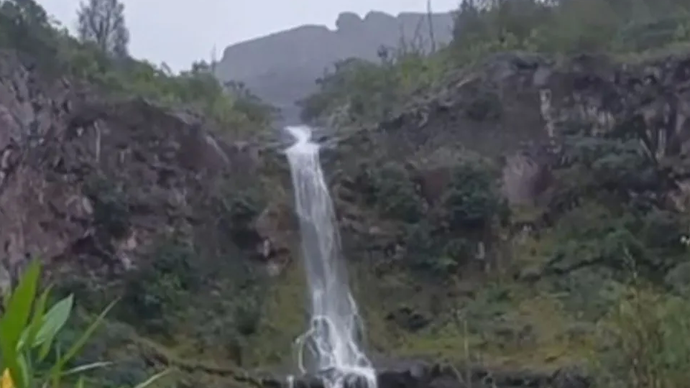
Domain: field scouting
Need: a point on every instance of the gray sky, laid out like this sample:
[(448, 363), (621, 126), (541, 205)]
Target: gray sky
[(180, 31)]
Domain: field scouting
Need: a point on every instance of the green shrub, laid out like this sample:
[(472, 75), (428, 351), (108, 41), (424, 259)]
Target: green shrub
[(159, 290), (645, 340), (471, 202), (110, 206)]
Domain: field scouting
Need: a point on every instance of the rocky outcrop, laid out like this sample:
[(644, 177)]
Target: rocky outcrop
[(516, 107), (417, 374), (97, 181), (282, 68)]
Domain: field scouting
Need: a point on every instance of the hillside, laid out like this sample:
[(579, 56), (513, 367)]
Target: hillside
[(513, 208), (282, 68)]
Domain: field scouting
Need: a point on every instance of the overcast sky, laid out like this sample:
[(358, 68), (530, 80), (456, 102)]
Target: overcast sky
[(180, 31)]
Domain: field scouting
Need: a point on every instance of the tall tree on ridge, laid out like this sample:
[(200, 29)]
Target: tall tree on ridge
[(103, 23)]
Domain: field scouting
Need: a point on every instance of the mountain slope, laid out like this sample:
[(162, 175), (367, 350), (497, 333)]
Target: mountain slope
[(282, 68)]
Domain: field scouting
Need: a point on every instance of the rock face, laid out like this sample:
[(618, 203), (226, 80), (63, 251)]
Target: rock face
[(517, 106), (97, 182), (394, 181), (515, 109), (282, 68)]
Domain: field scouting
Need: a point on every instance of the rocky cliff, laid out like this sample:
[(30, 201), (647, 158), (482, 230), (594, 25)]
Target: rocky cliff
[(121, 197), (499, 219), (282, 68), (81, 166)]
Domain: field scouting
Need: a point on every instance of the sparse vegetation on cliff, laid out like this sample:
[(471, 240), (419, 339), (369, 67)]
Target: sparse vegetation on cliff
[(565, 258), (177, 296), (360, 91)]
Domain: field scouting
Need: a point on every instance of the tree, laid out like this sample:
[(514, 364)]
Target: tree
[(102, 22), (26, 12)]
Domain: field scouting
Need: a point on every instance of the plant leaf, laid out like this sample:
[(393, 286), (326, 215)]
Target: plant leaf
[(54, 374), (86, 367), (36, 320), (54, 320), (153, 379), (14, 320), (24, 369), (78, 344), (38, 315), (18, 309), (45, 349)]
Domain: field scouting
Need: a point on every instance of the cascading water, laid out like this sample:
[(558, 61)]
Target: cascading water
[(329, 349)]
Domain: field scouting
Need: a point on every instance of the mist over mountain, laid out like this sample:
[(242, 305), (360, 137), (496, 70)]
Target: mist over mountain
[(282, 68)]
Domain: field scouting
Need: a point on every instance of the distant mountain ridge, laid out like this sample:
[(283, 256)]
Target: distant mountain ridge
[(282, 68)]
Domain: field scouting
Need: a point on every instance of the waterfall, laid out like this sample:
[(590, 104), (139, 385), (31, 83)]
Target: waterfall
[(330, 348)]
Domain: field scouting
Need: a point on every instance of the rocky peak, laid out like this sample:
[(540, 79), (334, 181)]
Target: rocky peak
[(282, 68), (347, 21)]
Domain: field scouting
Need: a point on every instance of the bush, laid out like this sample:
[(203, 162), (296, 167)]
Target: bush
[(390, 189), (645, 338), (468, 213), (563, 26), (110, 206), (472, 202), (366, 91), (160, 289)]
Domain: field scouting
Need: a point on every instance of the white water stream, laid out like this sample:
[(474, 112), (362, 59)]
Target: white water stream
[(330, 348)]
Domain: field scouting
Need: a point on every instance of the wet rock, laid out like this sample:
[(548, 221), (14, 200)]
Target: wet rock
[(421, 374), (570, 378), (409, 319)]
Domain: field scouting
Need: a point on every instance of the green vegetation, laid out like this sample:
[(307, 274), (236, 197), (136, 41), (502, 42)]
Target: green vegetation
[(178, 296), (102, 23), (360, 91), (175, 307), (29, 327), (600, 278), (100, 58), (644, 339), (569, 26)]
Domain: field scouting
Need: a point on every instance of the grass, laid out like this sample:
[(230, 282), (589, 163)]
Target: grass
[(530, 330), (283, 319), (495, 323)]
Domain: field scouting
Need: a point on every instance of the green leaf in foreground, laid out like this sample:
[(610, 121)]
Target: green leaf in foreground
[(54, 320), (18, 310), (14, 321), (36, 320), (79, 344)]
